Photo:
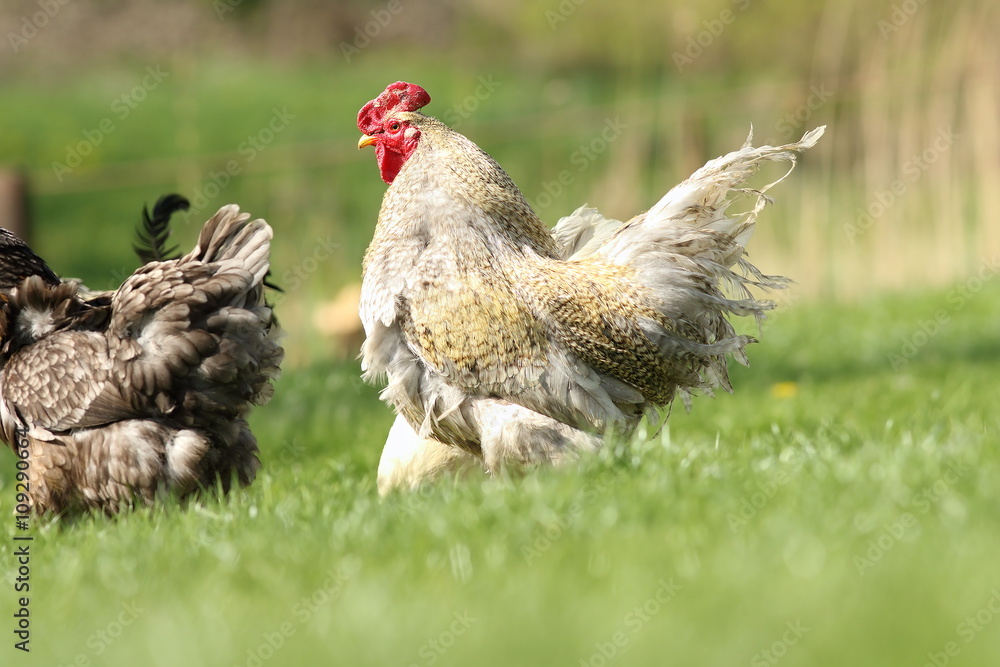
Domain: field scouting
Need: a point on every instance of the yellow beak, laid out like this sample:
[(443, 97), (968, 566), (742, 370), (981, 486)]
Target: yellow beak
[(366, 140)]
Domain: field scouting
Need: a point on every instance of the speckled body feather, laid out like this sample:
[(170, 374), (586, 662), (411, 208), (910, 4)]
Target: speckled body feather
[(520, 344), (148, 390)]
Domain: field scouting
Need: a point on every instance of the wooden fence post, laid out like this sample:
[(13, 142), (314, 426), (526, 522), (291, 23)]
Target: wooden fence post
[(14, 203)]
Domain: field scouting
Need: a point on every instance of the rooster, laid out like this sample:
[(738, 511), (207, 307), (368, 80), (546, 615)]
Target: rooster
[(506, 343), (116, 397)]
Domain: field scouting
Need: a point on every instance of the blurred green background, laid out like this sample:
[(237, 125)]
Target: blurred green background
[(859, 403), (108, 105)]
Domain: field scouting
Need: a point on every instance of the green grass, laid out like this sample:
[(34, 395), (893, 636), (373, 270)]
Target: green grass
[(822, 493), (831, 494)]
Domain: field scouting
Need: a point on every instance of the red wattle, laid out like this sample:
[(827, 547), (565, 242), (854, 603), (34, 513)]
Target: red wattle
[(389, 162)]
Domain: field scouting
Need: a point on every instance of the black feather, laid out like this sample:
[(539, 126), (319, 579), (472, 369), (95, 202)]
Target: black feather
[(268, 283), (153, 230), (18, 261)]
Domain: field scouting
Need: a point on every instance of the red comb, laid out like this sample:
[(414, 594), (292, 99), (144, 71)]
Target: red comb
[(399, 96)]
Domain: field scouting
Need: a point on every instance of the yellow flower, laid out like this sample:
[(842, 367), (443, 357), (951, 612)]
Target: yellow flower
[(785, 389)]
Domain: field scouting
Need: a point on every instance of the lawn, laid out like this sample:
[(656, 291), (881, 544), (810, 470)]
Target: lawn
[(839, 508)]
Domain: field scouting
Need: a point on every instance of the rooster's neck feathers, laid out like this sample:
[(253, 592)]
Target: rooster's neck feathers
[(454, 174)]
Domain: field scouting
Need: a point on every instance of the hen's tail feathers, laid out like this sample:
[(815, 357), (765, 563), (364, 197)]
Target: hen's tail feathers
[(582, 232), (219, 236), (153, 231), (689, 227), (228, 238), (201, 322), (700, 203)]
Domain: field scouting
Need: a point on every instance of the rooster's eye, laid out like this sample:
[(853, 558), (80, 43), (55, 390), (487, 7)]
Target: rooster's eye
[(394, 127)]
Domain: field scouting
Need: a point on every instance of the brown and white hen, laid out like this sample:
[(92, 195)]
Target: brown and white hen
[(127, 394)]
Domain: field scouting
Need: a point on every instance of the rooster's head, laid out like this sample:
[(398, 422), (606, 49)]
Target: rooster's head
[(394, 138)]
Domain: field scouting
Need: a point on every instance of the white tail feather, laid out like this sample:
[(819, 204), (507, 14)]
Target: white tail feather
[(700, 203)]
